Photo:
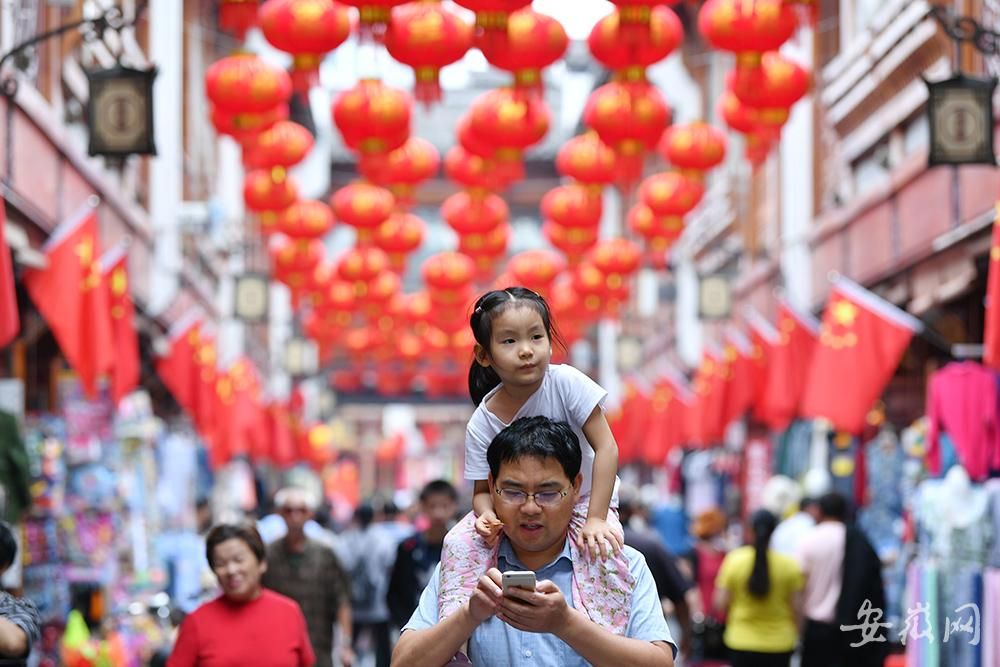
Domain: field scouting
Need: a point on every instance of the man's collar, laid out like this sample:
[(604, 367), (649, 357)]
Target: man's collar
[(507, 553)]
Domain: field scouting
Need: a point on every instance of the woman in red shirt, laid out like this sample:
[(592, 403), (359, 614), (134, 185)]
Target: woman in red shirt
[(246, 625)]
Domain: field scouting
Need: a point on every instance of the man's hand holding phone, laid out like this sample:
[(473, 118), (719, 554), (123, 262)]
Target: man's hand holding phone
[(529, 605)]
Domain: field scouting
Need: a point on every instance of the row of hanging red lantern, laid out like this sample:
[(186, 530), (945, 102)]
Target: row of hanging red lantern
[(765, 84)]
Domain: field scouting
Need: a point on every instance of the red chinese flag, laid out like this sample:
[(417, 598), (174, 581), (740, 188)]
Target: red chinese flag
[(218, 431), (787, 366), (283, 451), (991, 330), (10, 321), (628, 421), (666, 418), (705, 415), (763, 337), (177, 368), (72, 298), (126, 372), (209, 411), (738, 376), (247, 424), (862, 337)]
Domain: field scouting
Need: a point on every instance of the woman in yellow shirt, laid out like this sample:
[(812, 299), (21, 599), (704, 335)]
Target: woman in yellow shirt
[(759, 588)]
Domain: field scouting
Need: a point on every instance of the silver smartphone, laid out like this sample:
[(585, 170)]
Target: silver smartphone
[(519, 579)]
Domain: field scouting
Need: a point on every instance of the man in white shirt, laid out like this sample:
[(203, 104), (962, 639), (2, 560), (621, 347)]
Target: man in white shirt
[(789, 533)]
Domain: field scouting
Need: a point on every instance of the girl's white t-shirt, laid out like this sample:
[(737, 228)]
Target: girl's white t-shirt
[(565, 394)]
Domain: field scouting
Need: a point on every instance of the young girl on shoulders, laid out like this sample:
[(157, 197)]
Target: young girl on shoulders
[(511, 377)]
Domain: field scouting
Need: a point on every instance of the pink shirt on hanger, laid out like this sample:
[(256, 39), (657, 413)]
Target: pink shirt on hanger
[(962, 402)]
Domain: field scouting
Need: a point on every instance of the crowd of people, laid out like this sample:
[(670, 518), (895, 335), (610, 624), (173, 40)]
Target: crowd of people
[(557, 563), (591, 580)]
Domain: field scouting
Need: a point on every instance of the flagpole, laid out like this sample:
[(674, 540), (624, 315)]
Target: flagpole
[(115, 253), (68, 226)]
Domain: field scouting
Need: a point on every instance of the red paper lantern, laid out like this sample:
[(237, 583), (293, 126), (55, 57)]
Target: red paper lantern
[(492, 15), (289, 256), (695, 147), (671, 193), (246, 127), (507, 163), (307, 29), (746, 29), (486, 248), (237, 17), (362, 264), (337, 301), (267, 197), (364, 207), (588, 160), (758, 146), (574, 242), (660, 232), (402, 169), (376, 293), (471, 171), (658, 40), (324, 329), (417, 309), (398, 236), (771, 89), (467, 214), (244, 83), (630, 118), (284, 145), (427, 36), (306, 219), (448, 272), (615, 257), (601, 294), (572, 205), (564, 301), (507, 119), (531, 43), (737, 115), (536, 269), (372, 118)]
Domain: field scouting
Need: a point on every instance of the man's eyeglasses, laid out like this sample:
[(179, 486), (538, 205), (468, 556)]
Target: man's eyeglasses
[(542, 498)]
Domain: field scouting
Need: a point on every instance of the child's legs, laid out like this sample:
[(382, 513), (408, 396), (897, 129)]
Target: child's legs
[(465, 556), (601, 587)]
